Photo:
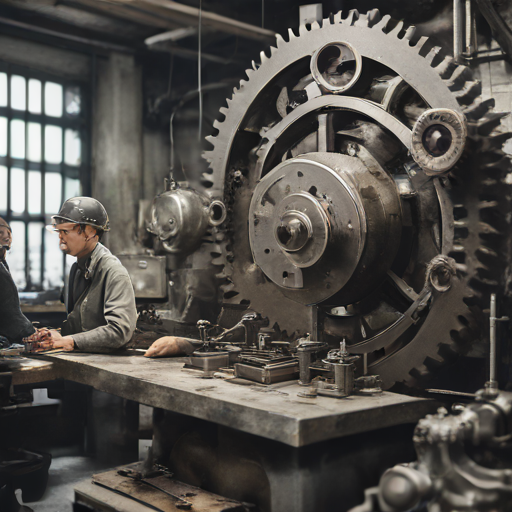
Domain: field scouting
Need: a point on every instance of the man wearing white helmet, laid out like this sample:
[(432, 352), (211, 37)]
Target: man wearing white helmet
[(100, 300)]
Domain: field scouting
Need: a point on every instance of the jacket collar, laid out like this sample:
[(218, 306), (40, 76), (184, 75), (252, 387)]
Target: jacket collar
[(96, 255)]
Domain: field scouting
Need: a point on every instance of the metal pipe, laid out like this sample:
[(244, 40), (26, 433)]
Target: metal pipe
[(492, 339), (457, 29)]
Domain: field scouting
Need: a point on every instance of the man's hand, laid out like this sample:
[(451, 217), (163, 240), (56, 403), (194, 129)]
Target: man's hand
[(63, 342), (166, 347)]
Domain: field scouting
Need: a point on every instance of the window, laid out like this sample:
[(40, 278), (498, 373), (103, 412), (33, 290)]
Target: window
[(43, 134)]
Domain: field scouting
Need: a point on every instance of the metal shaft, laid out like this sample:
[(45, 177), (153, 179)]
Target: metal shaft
[(457, 29), (492, 336), (469, 34), (304, 371)]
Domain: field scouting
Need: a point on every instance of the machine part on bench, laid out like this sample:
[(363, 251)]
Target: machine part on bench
[(269, 373), (305, 350), (368, 385), (373, 165)]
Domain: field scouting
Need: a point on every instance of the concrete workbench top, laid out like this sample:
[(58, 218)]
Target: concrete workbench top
[(274, 412)]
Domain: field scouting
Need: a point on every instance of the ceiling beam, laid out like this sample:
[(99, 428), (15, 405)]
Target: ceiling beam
[(124, 12), (188, 16)]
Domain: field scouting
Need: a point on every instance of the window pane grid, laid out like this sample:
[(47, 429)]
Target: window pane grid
[(42, 137)]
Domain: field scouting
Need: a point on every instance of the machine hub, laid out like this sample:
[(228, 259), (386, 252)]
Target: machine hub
[(315, 219)]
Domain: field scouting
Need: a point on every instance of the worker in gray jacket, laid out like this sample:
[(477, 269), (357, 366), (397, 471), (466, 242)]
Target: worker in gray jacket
[(100, 300)]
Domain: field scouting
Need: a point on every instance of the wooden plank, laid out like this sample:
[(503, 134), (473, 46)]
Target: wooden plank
[(103, 489)]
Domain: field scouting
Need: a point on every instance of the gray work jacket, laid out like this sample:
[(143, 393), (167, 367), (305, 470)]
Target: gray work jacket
[(104, 316)]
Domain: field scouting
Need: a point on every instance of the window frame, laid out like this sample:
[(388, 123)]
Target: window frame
[(82, 124)]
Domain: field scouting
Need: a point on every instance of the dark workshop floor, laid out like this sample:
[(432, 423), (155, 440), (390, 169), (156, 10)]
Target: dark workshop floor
[(65, 472)]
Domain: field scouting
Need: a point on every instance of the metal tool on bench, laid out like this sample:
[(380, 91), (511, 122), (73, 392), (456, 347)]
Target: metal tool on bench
[(267, 366), (336, 372), (209, 357)]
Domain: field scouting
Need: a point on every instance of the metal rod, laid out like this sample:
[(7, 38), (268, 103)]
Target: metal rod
[(492, 338), (457, 29), (468, 31)]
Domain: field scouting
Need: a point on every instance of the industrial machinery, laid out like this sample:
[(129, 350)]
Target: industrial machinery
[(356, 191), (463, 457)]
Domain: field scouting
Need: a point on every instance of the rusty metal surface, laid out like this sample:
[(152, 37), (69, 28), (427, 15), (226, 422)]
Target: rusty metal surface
[(274, 412)]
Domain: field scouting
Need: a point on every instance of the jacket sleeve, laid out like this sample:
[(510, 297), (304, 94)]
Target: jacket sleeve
[(120, 316)]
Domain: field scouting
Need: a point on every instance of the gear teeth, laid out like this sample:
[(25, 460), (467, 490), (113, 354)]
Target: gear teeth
[(491, 121), (253, 63), (362, 21), (484, 227), (316, 25), (263, 57), (470, 92), (461, 267), (303, 30), (207, 178), (224, 111), (419, 373), (502, 165), (397, 29), (211, 139), (446, 67), (487, 251), (498, 139), (249, 72), (482, 205), (478, 109), (458, 78), (217, 124), (337, 17), (220, 236), (432, 54), (279, 41), (409, 33), (383, 23), (420, 44), (291, 34), (352, 17), (373, 17)]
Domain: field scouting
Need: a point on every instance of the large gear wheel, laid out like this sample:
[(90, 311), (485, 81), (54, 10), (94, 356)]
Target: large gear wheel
[(364, 181)]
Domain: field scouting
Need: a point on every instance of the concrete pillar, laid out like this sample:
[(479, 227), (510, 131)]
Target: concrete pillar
[(117, 146)]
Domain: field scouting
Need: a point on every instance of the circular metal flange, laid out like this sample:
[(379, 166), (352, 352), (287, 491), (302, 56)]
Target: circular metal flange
[(217, 213), (306, 244), (438, 140), (294, 230), (299, 189), (336, 67)]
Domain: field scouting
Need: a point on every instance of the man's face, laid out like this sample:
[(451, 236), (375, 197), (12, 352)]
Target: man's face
[(5, 236), (72, 240)]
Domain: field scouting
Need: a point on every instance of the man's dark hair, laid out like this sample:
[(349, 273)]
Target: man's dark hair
[(99, 232)]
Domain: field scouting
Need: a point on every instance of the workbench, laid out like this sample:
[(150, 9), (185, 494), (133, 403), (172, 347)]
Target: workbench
[(273, 419)]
